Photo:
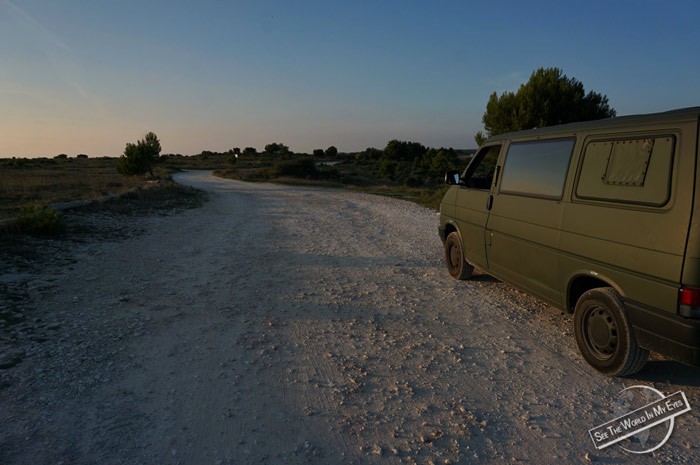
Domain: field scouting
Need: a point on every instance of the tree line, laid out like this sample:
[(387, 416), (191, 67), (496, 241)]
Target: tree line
[(548, 98)]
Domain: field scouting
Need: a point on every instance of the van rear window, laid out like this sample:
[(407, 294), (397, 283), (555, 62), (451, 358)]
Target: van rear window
[(537, 168), (627, 170)]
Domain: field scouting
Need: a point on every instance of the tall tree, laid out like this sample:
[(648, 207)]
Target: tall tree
[(401, 150), (547, 99), (331, 151), (276, 148), (140, 157)]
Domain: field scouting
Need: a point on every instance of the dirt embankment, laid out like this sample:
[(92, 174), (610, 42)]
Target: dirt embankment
[(292, 325)]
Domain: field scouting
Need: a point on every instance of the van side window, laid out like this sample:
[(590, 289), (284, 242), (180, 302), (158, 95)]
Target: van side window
[(537, 168), (479, 173), (627, 170)]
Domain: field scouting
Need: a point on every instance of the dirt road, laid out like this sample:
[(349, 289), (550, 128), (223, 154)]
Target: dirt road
[(281, 325)]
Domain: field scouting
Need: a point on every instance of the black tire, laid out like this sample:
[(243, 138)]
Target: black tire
[(457, 266), (604, 334)]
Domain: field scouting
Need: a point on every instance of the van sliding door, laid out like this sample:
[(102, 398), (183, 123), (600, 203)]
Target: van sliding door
[(523, 227)]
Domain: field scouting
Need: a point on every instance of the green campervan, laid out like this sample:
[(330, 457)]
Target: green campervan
[(601, 219)]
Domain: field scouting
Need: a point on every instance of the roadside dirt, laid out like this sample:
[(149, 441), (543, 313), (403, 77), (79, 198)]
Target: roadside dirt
[(284, 325)]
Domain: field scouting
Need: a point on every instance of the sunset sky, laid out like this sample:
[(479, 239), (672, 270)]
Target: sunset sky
[(89, 76)]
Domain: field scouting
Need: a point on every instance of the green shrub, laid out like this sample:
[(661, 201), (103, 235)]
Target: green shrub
[(37, 220), (431, 198), (16, 162), (413, 181), (329, 172), (304, 168)]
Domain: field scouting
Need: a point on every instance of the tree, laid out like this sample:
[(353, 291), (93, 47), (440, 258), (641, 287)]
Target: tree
[(233, 156), (318, 152), (140, 157), (547, 99), (276, 149), (406, 151), (331, 151), (387, 168), (369, 153), (250, 151)]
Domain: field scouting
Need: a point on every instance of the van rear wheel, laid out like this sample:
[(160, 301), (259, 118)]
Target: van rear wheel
[(604, 334), (457, 266)]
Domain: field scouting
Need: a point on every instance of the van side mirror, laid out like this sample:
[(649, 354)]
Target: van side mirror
[(452, 177)]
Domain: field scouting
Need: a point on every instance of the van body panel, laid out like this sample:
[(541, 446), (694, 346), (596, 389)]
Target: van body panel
[(629, 284), (650, 230), (471, 215), (670, 335), (643, 274), (691, 267), (529, 229), (628, 217), (447, 206)]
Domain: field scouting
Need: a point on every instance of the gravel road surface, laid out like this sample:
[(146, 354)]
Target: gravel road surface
[(287, 325)]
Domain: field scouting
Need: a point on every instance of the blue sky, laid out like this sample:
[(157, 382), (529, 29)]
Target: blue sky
[(88, 77)]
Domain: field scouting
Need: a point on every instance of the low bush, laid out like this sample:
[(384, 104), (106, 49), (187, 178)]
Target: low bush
[(431, 198), (38, 220), (304, 168)]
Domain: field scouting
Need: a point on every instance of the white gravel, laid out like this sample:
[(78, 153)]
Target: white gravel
[(295, 325)]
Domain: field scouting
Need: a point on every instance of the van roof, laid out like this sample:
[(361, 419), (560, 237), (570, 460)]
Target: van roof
[(681, 114)]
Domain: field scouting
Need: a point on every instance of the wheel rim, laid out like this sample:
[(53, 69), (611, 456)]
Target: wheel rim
[(600, 333), (454, 256)]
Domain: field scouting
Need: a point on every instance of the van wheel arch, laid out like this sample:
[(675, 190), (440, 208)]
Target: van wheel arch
[(581, 284), (450, 228)]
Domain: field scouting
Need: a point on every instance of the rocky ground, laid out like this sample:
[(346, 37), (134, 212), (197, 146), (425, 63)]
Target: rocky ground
[(291, 325)]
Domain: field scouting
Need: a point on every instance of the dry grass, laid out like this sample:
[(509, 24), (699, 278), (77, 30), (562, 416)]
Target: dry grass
[(47, 181)]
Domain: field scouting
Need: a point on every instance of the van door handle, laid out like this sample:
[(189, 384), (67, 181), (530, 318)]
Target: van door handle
[(489, 202)]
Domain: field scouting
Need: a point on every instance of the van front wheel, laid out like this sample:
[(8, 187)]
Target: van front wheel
[(457, 266), (605, 336)]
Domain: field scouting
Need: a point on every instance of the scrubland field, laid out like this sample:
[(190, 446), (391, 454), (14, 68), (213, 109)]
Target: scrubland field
[(45, 181), (48, 181)]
